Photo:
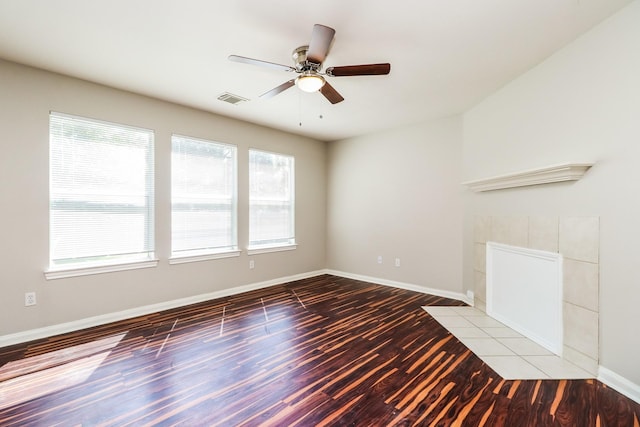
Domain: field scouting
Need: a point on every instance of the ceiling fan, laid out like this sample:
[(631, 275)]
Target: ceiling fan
[(308, 61)]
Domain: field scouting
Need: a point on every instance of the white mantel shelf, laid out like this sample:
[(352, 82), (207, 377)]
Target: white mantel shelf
[(546, 175)]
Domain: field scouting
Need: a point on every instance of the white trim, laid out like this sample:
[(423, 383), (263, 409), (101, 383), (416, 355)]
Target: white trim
[(471, 297), (619, 383), (606, 376), (62, 328), (519, 250), (256, 250), (545, 175), (99, 121), (86, 271), (207, 257), (407, 286), (89, 322)]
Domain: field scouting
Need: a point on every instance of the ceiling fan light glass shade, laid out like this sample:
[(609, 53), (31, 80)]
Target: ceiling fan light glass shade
[(310, 82)]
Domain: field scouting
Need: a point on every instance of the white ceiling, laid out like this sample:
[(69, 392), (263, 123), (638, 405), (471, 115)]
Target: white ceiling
[(445, 55)]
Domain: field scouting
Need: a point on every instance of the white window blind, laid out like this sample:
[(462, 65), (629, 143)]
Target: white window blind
[(271, 199), (203, 197), (101, 193)]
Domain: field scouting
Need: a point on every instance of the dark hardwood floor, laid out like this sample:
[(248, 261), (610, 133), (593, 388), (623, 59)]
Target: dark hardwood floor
[(320, 351)]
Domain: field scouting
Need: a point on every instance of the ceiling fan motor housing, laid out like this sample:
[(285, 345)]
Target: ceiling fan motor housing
[(299, 56)]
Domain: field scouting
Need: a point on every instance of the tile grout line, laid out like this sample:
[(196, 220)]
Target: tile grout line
[(166, 339), (299, 300), (224, 309), (266, 316)]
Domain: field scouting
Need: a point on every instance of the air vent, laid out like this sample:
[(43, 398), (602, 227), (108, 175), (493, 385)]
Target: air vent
[(231, 98)]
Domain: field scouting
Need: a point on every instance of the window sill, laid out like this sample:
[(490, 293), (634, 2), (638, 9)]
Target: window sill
[(256, 250), (206, 257), (86, 271)]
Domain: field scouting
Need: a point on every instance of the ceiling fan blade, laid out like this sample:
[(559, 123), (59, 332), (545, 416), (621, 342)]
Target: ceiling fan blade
[(245, 60), (331, 94), (321, 38), (359, 70), (276, 90)]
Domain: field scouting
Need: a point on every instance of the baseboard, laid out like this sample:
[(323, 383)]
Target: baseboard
[(63, 328), (401, 285), (606, 376), (619, 383)]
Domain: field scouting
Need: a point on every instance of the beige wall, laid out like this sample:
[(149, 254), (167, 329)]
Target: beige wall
[(398, 194), (582, 104), (25, 101), (395, 194)]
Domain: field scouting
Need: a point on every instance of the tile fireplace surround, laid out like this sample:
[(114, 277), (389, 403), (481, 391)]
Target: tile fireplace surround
[(577, 239)]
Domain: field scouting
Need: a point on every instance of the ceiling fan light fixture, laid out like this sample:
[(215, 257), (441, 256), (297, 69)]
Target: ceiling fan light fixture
[(309, 82)]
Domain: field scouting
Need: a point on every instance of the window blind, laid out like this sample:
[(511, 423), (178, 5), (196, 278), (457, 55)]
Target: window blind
[(203, 197), (271, 199), (101, 192)]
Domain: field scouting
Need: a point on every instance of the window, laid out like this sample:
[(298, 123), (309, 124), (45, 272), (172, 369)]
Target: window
[(271, 200), (101, 193), (203, 197)]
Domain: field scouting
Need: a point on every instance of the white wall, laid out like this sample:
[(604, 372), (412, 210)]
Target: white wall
[(27, 95), (398, 194), (581, 104)]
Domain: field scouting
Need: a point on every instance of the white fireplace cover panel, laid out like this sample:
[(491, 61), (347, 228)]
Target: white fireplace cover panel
[(524, 291)]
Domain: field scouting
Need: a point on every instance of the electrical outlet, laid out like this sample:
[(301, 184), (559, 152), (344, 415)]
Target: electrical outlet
[(397, 262), (252, 264), (379, 259), (29, 299)]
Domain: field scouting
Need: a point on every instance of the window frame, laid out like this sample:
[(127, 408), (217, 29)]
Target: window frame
[(203, 254), (91, 263), (291, 244)]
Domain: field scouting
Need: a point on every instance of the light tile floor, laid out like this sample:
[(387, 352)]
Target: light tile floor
[(507, 352)]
